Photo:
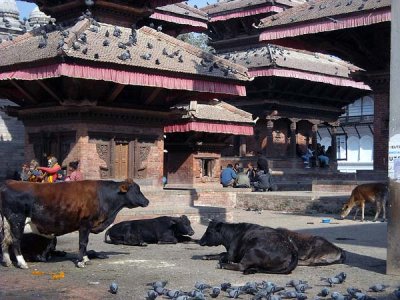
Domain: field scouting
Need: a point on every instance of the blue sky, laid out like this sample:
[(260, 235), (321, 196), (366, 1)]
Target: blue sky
[(25, 8)]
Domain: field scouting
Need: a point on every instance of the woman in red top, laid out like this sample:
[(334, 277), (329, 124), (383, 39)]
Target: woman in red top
[(75, 175)]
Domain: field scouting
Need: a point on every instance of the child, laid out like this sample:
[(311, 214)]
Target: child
[(60, 176)]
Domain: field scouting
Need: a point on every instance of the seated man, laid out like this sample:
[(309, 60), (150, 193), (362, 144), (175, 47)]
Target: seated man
[(264, 182), (242, 180), (228, 176), (307, 156), (323, 158)]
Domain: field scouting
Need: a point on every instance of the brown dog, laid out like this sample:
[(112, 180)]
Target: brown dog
[(370, 192)]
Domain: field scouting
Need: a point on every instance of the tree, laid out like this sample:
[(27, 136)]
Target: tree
[(199, 40)]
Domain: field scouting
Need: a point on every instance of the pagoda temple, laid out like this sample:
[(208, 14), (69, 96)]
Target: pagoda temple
[(93, 86), (296, 89), (357, 31)]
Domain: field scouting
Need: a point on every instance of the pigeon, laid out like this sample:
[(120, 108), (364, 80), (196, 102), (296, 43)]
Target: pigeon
[(351, 291), (160, 283), (150, 45), (160, 290), (96, 56), (225, 286), (42, 43), (288, 294), (146, 56), (114, 288), (159, 28), (82, 38), (125, 55), (106, 43), (173, 293), (157, 61), (362, 296), (60, 43), (295, 282), (324, 292), (302, 287), (196, 294), (183, 297), (233, 293), (180, 59), (151, 295), (262, 294), (132, 40), (339, 296), (107, 34), (378, 288), (85, 50), (165, 52), (215, 292), (117, 32), (151, 25), (202, 285), (121, 45), (65, 33)]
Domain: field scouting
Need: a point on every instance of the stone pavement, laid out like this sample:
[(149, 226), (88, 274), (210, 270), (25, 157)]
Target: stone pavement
[(133, 267)]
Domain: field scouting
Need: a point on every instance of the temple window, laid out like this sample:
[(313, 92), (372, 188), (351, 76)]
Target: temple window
[(207, 166)]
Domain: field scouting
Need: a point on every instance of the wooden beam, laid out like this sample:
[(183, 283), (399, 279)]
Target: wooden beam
[(115, 92), (298, 104), (48, 90), (22, 90), (150, 99)]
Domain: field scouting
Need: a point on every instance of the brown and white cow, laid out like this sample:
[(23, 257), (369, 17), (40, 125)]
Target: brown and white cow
[(54, 209), (314, 250), (376, 193)]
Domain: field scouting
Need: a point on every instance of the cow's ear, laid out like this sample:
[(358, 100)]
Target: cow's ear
[(124, 187), (218, 226)]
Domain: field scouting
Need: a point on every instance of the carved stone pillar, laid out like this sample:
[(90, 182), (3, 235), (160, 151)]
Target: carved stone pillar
[(292, 146), (333, 157), (243, 146), (314, 130)]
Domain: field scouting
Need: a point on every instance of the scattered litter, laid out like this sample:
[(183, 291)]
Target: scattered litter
[(57, 276), (310, 222), (326, 220), (38, 273), (94, 282)]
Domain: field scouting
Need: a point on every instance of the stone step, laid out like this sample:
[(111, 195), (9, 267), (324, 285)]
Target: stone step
[(197, 214)]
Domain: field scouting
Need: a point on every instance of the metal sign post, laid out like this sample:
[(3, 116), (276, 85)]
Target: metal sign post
[(393, 247)]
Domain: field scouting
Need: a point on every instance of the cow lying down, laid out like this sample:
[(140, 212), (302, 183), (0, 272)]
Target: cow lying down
[(162, 230), (314, 250), (251, 248)]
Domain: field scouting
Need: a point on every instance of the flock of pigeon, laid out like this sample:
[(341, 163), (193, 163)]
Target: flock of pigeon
[(294, 289)]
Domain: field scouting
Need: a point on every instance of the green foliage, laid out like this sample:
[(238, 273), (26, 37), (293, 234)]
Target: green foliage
[(199, 40)]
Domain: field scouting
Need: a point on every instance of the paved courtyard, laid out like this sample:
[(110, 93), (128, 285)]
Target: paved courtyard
[(132, 267)]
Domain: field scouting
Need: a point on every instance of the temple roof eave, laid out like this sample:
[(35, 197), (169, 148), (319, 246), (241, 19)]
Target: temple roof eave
[(302, 20)]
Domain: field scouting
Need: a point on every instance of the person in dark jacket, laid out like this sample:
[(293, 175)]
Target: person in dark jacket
[(264, 182)]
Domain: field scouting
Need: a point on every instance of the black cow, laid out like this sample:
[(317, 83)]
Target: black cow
[(54, 209), (314, 250), (251, 248), (163, 230)]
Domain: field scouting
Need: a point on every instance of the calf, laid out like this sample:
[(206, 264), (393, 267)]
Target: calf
[(251, 248), (49, 209), (370, 192), (162, 230), (314, 250)]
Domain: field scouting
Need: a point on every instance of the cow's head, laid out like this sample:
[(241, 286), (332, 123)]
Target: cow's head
[(325, 252), (133, 195), (182, 226), (345, 210), (212, 236)]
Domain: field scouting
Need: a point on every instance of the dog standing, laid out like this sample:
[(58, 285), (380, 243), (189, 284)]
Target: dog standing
[(370, 192)]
